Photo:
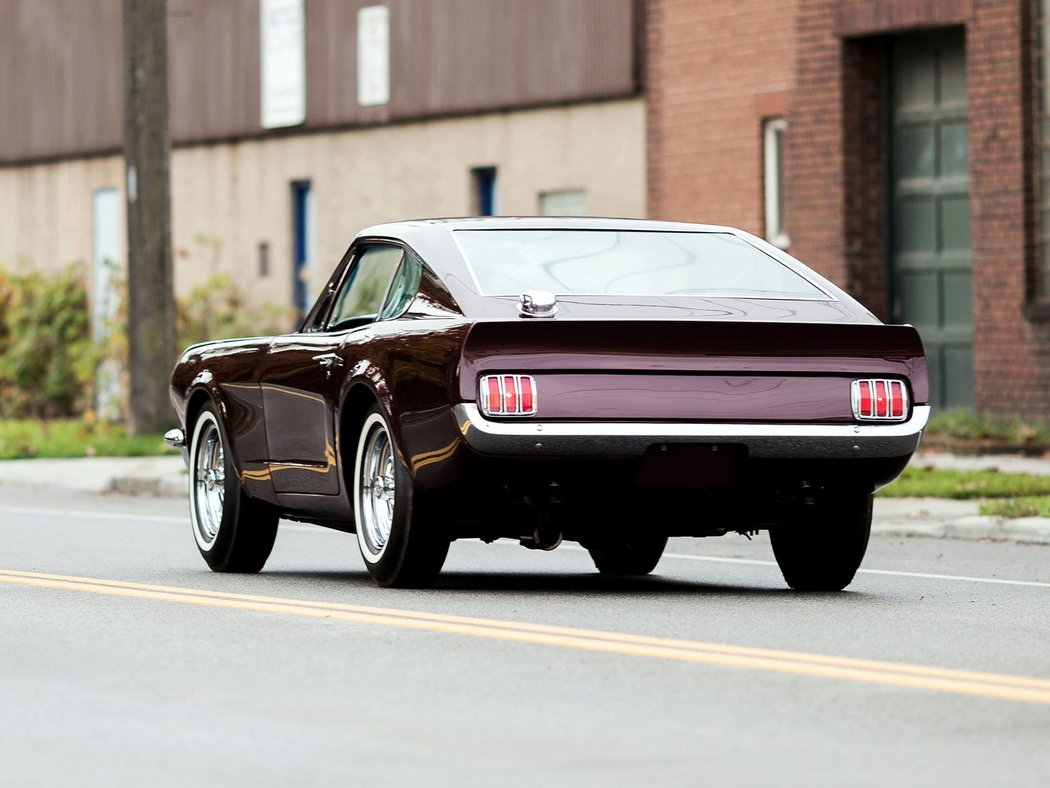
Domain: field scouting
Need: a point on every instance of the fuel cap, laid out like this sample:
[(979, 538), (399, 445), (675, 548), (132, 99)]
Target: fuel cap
[(538, 303)]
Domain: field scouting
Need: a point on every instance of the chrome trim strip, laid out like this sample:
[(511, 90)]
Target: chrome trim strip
[(627, 438), (468, 411)]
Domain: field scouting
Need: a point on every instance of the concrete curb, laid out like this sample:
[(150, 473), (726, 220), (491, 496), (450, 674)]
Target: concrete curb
[(149, 486), (1030, 530), (157, 476)]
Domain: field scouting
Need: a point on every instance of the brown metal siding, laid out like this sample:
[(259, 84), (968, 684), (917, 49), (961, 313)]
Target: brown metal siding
[(460, 56), (60, 65), (213, 69), (60, 77)]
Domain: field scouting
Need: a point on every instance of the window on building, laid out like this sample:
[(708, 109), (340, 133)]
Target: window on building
[(565, 202), (282, 63), (484, 191), (373, 55), (264, 258), (774, 130)]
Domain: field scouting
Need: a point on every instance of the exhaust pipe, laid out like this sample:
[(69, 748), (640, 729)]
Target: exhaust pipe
[(546, 535)]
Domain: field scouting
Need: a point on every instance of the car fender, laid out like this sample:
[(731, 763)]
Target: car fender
[(424, 429)]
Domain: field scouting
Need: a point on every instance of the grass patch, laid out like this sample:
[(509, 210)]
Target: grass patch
[(966, 485), (24, 439), (1033, 506), (962, 425)]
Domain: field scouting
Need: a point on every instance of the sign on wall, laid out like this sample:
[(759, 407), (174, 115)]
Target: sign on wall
[(282, 63), (373, 55)]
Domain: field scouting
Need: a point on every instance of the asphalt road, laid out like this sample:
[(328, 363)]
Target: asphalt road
[(124, 661)]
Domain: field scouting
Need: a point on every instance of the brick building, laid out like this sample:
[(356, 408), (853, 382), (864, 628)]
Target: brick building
[(892, 144)]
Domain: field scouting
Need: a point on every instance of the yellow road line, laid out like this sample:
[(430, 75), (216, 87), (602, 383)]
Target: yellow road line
[(990, 685)]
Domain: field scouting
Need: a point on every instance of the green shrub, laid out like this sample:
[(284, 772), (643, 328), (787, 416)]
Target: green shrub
[(47, 359), (217, 309)]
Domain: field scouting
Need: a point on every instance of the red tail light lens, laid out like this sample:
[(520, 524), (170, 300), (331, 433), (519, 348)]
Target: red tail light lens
[(491, 392), (880, 400), (864, 387), (897, 403), (527, 397), (881, 406), (508, 395)]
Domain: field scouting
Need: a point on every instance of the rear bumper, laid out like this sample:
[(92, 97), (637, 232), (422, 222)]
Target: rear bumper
[(629, 439)]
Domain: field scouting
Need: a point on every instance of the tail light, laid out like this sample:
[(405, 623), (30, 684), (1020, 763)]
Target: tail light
[(880, 399), (508, 395)]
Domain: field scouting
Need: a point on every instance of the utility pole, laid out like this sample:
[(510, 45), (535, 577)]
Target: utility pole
[(147, 153)]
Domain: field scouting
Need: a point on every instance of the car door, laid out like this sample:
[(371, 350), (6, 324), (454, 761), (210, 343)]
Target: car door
[(302, 376)]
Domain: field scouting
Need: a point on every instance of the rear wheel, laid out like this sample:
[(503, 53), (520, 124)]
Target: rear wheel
[(634, 554), (401, 546), (821, 549), (233, 532)]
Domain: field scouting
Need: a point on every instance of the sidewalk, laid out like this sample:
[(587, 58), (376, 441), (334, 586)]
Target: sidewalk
[(159, 476), (167, 477)]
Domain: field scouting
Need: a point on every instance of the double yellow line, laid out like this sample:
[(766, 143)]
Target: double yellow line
[(989, 685)]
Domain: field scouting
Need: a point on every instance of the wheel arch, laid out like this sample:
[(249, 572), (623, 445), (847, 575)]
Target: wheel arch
[(200, 396), (195, 403), (358, 400)]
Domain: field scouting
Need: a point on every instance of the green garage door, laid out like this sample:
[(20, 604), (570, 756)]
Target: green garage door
[(930, 207)]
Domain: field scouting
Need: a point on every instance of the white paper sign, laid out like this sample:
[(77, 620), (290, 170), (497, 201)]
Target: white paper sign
[(373, 55), (282, 62)]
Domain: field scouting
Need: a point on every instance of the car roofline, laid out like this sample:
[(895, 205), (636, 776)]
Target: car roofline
[(541, 223)]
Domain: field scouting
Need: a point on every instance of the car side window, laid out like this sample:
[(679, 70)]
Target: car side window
[(361, 296), (403, 289)]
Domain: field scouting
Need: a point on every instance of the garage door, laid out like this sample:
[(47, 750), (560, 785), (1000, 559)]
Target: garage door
[(930, 253)]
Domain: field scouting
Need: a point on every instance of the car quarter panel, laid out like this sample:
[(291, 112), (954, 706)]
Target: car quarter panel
[(411, 369)]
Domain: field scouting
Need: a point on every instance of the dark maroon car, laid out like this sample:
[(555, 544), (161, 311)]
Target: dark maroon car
[(610, 382)]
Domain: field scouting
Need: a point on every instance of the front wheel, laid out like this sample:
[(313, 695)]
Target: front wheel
[(233, 532), (821, 548), (400, 548)]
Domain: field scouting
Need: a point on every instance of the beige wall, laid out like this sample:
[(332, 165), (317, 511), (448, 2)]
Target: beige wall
[(228, 198), (46, 211)]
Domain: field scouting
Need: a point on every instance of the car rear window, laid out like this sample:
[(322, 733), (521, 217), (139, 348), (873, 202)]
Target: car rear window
[(617, 262)]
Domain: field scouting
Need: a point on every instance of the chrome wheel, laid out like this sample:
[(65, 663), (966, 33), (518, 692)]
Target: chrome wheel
[(377, 487), (209, 482), (400, 544), (233, 531)]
